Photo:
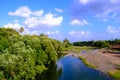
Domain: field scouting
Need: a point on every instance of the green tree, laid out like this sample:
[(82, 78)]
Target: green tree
[(25, 56), (66, 42), (21, 30)]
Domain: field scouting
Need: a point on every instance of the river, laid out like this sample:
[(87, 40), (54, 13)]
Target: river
[(72, 68)]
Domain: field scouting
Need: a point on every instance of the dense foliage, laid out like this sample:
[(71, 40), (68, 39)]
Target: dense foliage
[(24, 57), (99, 44)]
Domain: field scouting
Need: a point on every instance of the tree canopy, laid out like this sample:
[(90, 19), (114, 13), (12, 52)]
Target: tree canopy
[(25, 56), (98, 43)]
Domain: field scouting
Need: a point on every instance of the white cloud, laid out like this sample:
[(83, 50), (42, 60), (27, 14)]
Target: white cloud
[(96, 8), (22, 12), (75, 22), (78, 22), (37, 13), (113, 30), (48, 20), (85, 1), (59, 10), (26, 31), (52, 33), (85, 32), (80, 35), (36, 19), (35, 22), (55, 35), (108, 9), (36, 32), (15, 26), (110, 33), (105, 13), (72, 32), (30, 32)]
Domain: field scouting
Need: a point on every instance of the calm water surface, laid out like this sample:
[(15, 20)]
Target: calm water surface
[(73, 69)]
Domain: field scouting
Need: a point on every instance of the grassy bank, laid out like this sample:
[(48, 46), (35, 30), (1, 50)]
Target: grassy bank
[(115, 74), (87, 63)]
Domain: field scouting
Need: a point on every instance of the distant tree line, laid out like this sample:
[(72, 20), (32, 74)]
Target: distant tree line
[(99, 43), (22, 57)]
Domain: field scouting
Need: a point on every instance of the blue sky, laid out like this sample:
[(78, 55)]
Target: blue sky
[(76, 20)]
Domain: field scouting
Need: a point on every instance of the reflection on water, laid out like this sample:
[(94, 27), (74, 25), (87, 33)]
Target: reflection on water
[(74, 69), (50, 74), (71, 68)]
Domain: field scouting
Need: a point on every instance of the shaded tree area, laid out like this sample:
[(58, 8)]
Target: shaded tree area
[(99, 43), (24, 57)]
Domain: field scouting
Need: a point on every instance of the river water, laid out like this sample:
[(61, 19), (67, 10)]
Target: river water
[(71, 68)]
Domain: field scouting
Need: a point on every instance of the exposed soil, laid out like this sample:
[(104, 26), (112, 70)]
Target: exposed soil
[(106, 60)]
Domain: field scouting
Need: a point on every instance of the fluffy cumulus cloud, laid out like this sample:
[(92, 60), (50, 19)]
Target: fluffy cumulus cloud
[(78, 22), (22, 12), (37, 18), (48, 20), (35, 22), (37, 13), (59, 10), (16, 26), (98, 8)]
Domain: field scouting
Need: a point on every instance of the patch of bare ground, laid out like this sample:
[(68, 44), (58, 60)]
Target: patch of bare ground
[(103, 59)]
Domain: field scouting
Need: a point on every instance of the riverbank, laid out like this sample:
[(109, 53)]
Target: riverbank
[(105, 61)]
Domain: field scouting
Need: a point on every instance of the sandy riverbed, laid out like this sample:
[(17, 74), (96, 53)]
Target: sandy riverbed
[(105, 62)]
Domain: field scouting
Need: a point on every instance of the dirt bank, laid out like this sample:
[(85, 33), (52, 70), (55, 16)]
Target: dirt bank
[(105, 62)]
